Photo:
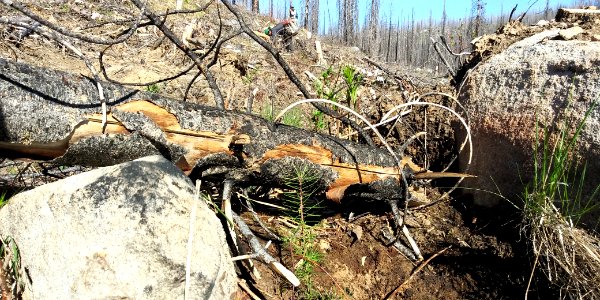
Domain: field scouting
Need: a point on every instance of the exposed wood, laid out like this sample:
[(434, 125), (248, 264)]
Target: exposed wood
[(320, 58), (577, 15), (63, 125)]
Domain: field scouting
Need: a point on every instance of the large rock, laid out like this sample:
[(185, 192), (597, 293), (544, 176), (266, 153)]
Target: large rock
[(532, 80), (118, 232)]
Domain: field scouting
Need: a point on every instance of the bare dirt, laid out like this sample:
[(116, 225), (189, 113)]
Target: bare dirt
[(485, 257), (480, 258)]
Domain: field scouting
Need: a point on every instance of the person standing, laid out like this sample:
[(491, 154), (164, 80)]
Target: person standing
[(287, 29)]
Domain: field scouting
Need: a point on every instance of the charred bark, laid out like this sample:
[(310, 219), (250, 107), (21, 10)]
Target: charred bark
[(56, 116)]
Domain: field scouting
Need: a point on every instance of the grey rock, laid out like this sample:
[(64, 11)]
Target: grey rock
[(542, 23), (532, 80), (570, 33), (118, 232)]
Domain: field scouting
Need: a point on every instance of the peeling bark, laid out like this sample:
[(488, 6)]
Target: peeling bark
[(56, 116)]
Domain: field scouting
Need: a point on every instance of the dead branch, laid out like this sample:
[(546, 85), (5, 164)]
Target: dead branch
[(522, 16), (90, 39), (212, 82), (439, 53), (262, 255), (164, 14), (242, 283), (445, 44), (512, 11), (255, 216), (89, 65), (109, 79)]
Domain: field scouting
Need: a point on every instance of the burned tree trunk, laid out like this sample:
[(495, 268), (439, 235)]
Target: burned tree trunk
[(55, 116)]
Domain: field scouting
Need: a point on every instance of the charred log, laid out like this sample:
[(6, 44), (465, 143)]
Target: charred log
[(56, 116)]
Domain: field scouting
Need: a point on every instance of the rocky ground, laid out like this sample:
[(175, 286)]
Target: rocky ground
[(478, 253)]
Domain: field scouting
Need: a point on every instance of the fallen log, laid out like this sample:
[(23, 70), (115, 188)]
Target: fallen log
[(56, 116)]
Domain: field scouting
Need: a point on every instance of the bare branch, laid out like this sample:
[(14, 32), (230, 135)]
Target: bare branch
[(88, 63), (512, 11), (402, 287), (448, 66), (445, 43), (105, 74), (212, 82), (167, 13), (263, 255), (526, 11), (90, 39)]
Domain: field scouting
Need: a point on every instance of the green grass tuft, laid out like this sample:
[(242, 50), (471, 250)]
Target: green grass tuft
[(558, 179), (153, 88), (3, 199), (293, 117), (555, 204)]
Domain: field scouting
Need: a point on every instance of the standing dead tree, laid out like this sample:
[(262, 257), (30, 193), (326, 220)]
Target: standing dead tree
[(255, 6), (348, 19), (314, 16), (373, 36), (478, 15)]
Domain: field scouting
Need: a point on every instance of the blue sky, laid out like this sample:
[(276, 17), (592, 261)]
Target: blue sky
[(455, 9)]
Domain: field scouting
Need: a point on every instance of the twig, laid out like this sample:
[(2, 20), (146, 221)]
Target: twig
[(382, 122), (250, 256), (168, 13), (256, 218), (189, 86), (445, 43), (537, 256), (398, 215), (399, 220), (53, 36), (226, 209), (412, 243), (263, 255), (217, 47), (403, 286), (526, 11), (226, 206), (407, 143), (190, 239), (22, 9), (105, 74), (512, 11), (397, 243), (242, 283)]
